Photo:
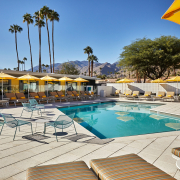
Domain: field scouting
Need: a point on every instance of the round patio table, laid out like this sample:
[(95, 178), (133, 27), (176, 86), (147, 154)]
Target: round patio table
[(41, 121)]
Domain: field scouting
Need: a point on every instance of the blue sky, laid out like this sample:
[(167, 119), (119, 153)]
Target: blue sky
[(105, 25)]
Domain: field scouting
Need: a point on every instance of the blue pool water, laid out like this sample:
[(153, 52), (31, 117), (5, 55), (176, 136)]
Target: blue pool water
[(117, 119)]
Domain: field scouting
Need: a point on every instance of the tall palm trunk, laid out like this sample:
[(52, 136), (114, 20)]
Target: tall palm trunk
[(39, 49), (30, 50), (24, 66), (91, 68), (88, 65), (53, 44), (49, 44), (16, 50)]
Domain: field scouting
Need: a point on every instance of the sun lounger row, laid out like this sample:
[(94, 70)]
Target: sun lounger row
[(148, 95), (124, 167)]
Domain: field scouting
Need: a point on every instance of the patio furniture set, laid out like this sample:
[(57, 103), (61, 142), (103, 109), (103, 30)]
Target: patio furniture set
[(148, 95)]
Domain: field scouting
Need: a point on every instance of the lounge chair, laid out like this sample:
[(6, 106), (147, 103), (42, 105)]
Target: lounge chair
[(77, 170), (57, 97), (12, 98), (86, 96), (28, 108), (134, 95), (21, 96), (43, 96), (35, 96), (92, 95), (71, 95), (61, 94), (78, 95), (129, 166), (147, 95), (125, 167), (160, 95), (61, 122), (169, 95), (126, 93), (11, 122)]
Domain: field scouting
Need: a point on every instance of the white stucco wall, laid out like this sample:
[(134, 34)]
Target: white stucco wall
[(107, 89)]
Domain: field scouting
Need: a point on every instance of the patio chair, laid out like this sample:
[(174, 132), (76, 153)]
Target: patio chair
[(77, 170), (147, 95), (169, 95), (11, 122), (126, 93), (35, 104), (28, 108), (129, 166), (160, 95), (61, 122), (12, 98), (134, 95)]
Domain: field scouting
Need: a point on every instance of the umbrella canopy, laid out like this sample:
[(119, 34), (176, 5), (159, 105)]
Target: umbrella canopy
[(28, 77), (80, 80), (173, 13), (124, 81), (5, 76), (66, 79), (158, 81), (175, 79), (48, 78)]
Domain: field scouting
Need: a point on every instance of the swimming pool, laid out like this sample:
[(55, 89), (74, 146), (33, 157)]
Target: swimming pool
[(117, 119)]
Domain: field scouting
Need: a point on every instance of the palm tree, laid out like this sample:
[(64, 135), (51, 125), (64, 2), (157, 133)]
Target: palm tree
[(40, 23), (94, 73), (19, 62), (54, 16), (46, 66), (44, 71), (88, 50), (14, 29), (85, 73), (25, 59), (29, 19), (45, 13), (43, 65), (91, 59), (22, 62)]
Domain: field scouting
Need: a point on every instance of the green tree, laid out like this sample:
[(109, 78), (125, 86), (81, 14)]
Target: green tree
[(22, 62), (43, 66), (25, 59), (100, 70), (151, 58), (68, 68), (40, 23), (29, 19), (54, 16), (88, 50), (45, 13), (46, 67), (91, 59), (14, 29), (85, 73)]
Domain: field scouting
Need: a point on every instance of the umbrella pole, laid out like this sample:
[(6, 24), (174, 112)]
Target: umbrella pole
[(47, 88), (2, 88), (28, 88)]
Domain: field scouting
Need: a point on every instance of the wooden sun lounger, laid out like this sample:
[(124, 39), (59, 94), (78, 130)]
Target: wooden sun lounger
[(85, 95), (134, 95), (124, 167), (126, 93), (12, 98), (71, 95), (78, 95), (160, 95), (58, 97), (169, 95), (36, 96)]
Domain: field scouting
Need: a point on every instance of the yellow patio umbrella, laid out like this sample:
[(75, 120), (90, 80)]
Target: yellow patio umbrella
[(175, 79), (158, 81), (124, 81), (80, 80), (173, 13), (28, 77), (66, 79), (5, 76), (48, 78)]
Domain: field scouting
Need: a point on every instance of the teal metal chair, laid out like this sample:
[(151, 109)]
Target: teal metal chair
[(11, 122), (61, 122), (35, 104), (27, 107)]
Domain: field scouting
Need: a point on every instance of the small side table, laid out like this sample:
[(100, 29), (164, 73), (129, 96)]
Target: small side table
[(42, 121)]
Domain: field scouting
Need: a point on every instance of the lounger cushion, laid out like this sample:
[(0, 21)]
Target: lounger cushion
[(176, 151), (73, 170), (126, 167)]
